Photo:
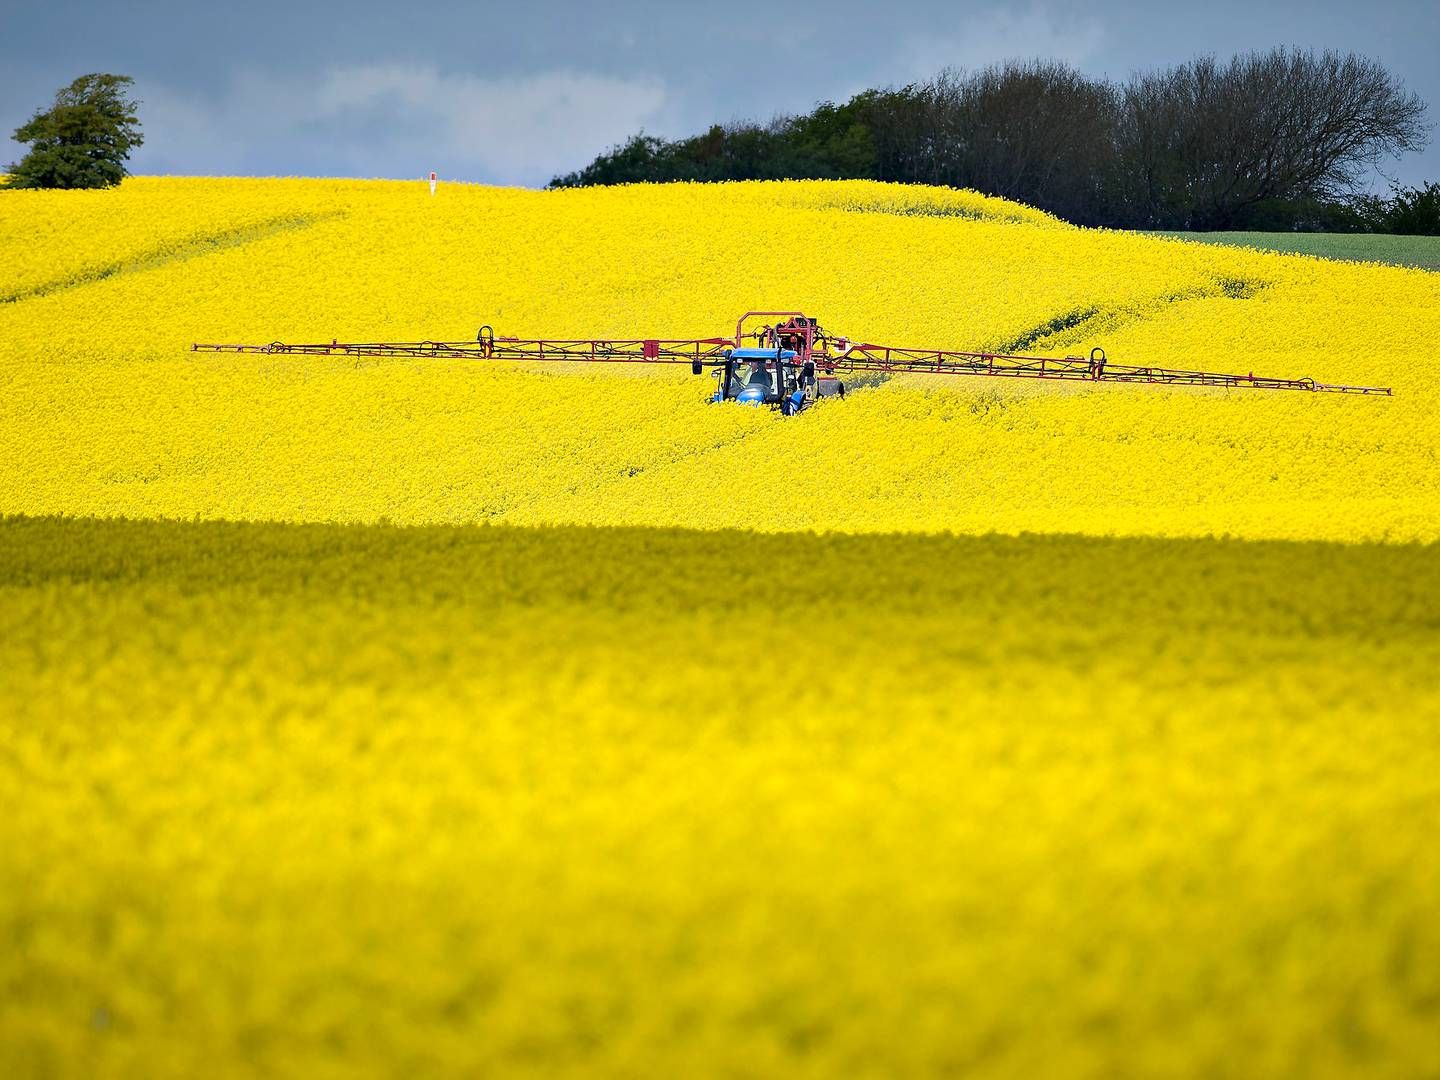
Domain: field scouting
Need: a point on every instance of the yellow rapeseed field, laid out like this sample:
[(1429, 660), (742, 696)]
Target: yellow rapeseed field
[(454, 442), (450, 717)]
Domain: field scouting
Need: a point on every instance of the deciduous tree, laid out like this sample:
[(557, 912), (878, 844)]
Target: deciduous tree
[(83, 139)]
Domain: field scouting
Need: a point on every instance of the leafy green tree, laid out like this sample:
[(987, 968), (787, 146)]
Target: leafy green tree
[(833, 141), (1414, 211), (82, 140)]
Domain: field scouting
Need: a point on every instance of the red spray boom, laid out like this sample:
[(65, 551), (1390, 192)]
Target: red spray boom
[(796, 355)]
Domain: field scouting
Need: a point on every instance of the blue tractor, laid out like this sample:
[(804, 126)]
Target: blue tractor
[(774, 377)]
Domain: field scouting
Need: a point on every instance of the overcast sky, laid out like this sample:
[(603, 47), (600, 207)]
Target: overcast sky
[(516, 92)]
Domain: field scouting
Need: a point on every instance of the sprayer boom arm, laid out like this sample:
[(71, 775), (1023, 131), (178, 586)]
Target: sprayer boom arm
[(809, 344)]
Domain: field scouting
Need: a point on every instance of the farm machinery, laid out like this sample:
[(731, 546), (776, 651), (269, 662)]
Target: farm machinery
[(793, 362)]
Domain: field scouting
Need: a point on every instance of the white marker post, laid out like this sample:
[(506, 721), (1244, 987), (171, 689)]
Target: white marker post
[(432, 183)]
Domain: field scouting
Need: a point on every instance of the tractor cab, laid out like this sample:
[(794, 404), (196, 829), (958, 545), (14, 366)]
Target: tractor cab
[(776, 377), (782, 370), (755, 376)]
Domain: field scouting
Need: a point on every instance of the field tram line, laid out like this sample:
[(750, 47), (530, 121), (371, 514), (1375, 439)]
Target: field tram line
[(1036, 336), (193, 248)]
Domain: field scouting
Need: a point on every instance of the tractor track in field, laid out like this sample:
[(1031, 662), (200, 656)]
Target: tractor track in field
[(193, 248), (1037, 336), (617, 479)]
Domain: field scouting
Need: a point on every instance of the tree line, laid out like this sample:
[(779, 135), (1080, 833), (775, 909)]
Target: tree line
[(1283, 139)]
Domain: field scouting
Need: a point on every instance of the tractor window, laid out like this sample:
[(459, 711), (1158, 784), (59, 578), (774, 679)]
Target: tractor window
[(758, 376)]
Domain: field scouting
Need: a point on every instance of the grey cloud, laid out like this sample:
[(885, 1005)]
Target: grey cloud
[(1003, 34), (515, 92), (346, 119)]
